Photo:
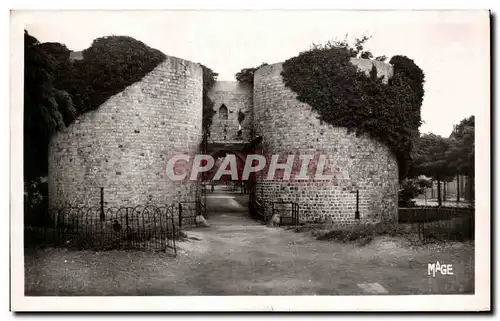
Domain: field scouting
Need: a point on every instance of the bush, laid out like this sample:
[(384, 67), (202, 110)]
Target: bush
[(36, 203), (361, 232), (209, 79), (411, 188)]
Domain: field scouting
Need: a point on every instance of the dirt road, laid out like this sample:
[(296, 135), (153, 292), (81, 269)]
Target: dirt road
[(238, 256)]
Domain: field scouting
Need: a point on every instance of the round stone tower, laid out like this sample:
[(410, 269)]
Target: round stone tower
[(123, 146), (361, 164)]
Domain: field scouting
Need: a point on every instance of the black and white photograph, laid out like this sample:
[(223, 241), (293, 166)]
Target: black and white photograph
[(271, 157)]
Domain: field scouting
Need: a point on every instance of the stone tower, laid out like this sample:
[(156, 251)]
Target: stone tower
[(124, 145), (362, 164)]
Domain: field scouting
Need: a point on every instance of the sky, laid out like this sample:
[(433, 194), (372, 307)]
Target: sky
[(452, 48)]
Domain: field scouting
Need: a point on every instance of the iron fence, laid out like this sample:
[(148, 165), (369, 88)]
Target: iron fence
[(139, 227), (288, 212), (258, 211), (449, 223)]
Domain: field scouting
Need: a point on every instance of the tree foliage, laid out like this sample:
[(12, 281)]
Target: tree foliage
[(46, 108), (410, 188), (108, 66), (431, 157), (324, 78), (441, 157), (209, 79), (57, 50), (461, 154), (246, 75), (111, 64), (241, 116)]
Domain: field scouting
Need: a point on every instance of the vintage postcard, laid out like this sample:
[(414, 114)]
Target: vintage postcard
[(244, 160)]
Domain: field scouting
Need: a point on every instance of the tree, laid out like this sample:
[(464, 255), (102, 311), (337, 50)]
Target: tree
[(431, 158), (57, 50), (246, 75), (209, 79), (47, 110), (461, 153)]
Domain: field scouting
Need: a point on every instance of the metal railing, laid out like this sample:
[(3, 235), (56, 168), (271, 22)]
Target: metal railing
[(139, 227), (288, 212), (450, 223)]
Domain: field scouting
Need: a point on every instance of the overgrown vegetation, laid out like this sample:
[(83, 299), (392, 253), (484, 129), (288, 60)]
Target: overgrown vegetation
[(108, 66), (363, 233), (324, 78), (241, 116), (454, 229), (246, 75), (47, 108), (209, 79)]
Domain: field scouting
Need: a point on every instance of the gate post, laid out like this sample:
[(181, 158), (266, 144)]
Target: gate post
[(356, 214), (127, 226), (174, 235), (180, 215), (102, 204)]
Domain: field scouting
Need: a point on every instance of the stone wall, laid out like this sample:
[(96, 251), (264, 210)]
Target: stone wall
[(125, 144), (359, 163), (235, 96)]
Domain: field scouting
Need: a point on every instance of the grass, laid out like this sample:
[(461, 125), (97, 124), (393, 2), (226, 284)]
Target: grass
[(433, 232)]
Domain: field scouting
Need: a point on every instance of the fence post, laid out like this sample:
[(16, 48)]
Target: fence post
[(174, 235), (180, 215), (57, 213), (298, 215), (127, 227), (102, 204), (356, 214)]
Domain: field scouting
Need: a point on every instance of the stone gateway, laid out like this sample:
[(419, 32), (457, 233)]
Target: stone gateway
[(123, 147)]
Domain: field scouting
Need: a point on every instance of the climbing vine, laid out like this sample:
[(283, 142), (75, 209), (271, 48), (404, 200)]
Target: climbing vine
[(344, 96), (108, 66), (209, 79), (241, 116)]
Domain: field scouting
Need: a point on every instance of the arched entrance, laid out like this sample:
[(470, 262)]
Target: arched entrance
[(224, 189)]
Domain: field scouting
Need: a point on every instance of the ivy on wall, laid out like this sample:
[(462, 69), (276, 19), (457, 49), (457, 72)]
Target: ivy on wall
[(344, 96), (209, 79), (108, 66)]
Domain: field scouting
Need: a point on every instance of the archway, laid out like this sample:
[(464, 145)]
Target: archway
[(226, 192)]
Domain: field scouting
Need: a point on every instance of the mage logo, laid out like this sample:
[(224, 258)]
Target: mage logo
[(445, 269)]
